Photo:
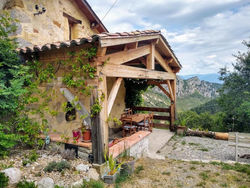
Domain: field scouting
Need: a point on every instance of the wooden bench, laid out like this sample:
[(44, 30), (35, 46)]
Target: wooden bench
[(239, 140)]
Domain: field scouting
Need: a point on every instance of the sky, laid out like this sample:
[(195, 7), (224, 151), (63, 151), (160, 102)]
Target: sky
[(204, 34)]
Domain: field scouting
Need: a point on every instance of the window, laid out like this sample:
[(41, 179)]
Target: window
[(72, 23)]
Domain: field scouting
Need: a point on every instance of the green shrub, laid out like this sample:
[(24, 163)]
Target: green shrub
[(92, 184), (4, 180), (57, 166), (26, 184), (139, 169)]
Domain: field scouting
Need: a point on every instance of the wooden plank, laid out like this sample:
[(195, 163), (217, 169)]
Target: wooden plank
[(131, 46), (124, 71), (117, 41), (151, 57), (119, 58), (113, 94), (152, 109), (83, 111), (236, 147), (96, 132), (163, 62), (161, 117), (160, 125), (173, 103)]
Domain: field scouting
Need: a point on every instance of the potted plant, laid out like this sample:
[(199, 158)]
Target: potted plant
[(128, 163), (76, 134), (181, 126), (86, 134), (113, 169)]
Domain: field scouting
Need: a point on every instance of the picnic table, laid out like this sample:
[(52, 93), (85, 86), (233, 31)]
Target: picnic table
[(136, 118)]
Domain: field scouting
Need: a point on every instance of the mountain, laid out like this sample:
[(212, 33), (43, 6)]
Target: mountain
[(213, 77), (191, 93)]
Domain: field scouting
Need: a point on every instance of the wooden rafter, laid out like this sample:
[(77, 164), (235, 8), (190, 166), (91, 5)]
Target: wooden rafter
[(162, 62), (113, 93), (117, 41), (124, 71), (119, 58)]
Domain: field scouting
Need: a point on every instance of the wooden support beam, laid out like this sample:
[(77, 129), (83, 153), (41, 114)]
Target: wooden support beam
[(129, 46), (124, 71), (151, 57), (118, 41), (96, 132), (113, 94), (162, 62), (173, 104), (170, 90), (165, 91), (162, 117), (101, 51), (119, 58)]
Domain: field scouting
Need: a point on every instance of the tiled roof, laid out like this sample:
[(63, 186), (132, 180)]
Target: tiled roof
[(94, 38), (80, 41)]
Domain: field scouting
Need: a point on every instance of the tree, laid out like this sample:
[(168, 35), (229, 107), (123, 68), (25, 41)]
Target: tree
[(13, 75), (235, 93)]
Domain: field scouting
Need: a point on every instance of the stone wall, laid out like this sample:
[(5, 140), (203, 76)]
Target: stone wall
[(49, 27)]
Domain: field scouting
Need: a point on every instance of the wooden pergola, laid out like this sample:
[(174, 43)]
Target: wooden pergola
[(135, 55), (138, 55)]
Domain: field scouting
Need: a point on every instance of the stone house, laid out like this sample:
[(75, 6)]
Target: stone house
[(49, 30)]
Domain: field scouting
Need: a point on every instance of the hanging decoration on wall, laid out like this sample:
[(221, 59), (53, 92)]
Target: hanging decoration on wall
[(40, 10)]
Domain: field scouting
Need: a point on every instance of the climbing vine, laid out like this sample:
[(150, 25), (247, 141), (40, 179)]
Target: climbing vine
[(134, 90)]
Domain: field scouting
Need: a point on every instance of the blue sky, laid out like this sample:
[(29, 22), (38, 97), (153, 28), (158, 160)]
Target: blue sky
[(203, 33)]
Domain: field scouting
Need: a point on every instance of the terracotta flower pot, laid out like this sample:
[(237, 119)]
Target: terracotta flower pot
[(86, 135)]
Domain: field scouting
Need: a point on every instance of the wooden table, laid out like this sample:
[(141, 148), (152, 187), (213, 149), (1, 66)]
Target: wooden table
[(136, 118)]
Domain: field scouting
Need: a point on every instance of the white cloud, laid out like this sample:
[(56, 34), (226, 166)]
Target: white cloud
[(203, 34)]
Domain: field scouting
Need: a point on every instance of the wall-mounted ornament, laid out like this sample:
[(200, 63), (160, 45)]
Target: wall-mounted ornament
[(40, 10)]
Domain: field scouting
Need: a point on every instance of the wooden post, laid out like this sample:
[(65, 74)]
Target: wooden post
[(151, 57), (102, 91), (96, 132), (173, 103), (236, 146)]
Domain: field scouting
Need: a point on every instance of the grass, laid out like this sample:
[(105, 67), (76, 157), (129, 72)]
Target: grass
[(121, 179), (166, 173), (183, 142), (243, 168), (193, 144), (203, 149), (223, 185), (201, 184), (204, 176), (92, 184), (139, 169), (192, 168)]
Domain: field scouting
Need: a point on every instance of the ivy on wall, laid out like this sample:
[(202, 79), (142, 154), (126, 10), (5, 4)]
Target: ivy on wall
[(134, 90)]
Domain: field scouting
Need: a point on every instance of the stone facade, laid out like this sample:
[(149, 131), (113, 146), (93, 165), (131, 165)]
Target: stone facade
[(48, 27)]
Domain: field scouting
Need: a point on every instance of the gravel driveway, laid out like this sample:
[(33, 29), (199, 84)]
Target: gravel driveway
[(197, 148)]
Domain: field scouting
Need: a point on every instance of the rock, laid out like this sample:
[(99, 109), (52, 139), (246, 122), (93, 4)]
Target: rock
[(46, 183), (82, 168), (77, 184), (93, 174), (14, 175)]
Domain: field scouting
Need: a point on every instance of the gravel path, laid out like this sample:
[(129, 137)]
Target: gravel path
[(197, 148)]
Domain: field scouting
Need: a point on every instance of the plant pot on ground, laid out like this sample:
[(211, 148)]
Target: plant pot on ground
[(113, 169), (128, 165), (181, 129), (86, 134)]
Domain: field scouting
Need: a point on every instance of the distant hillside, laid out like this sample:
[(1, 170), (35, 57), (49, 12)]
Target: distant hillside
[(191, 93), (214, 77)]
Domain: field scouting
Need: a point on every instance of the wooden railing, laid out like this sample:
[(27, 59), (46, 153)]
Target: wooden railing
[(156, 117)]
